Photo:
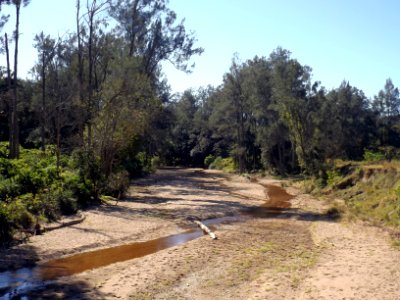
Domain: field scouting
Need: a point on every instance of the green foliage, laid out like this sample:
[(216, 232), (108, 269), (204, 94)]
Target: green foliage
[(209, 160), (3, 150), (5, 224), (33, 187), (155, 163), (63, 198), (145, 163), (19, 214), (118, 184), (268, 113), (109, 118), (9, 188), (333, 176), (225, 164), (92, 180), (390, 152), (80, 189), (371, 191), (372, 156), (140, 164)]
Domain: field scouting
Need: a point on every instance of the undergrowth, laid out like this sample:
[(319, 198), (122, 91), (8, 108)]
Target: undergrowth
[(35, 188), (371, 190), (219, 163)]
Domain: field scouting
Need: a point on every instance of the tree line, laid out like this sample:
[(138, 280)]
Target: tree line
[(99, 89), (268, 114), (92, 116), (100, 92), (98, 111)]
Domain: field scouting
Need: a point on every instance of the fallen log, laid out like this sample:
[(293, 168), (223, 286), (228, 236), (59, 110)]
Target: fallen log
[(206, 230), (39, 229), (82, 218)]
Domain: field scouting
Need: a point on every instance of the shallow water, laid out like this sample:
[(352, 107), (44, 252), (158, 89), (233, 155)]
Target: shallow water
[(14, 283)]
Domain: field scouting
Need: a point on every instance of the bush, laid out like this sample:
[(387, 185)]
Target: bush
[(332, 177), (34, 187), (5, 225), (19, 215), (140, 164), (5, 166), (209, 160), (155, 163), (225, 164), (118, 184), (79, 189), (91, 176), (4, 149), (66, 203), (390, 152), (9, 189), (372, 156)]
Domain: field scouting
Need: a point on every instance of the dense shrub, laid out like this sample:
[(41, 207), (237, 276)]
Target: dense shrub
[(118, 184), (34, 187), (225, 164), (209, 160), (19, 215), (91, 181), (140, 164), (371, 156), (155, 163), (5, 225), (64, 198), (9, 188), (79, 189)]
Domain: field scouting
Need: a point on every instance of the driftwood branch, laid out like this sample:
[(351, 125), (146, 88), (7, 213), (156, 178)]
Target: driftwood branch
[(64, 224), (206, 230), (39, 229)]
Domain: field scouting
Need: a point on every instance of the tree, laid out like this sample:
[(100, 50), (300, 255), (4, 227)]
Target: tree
[(387, 107), (184, 130), (80, 72), (387, 102), (93, 9), (46, 48), (292, 97), (150, 30), (14, 130), (4, 48), (350, 122)]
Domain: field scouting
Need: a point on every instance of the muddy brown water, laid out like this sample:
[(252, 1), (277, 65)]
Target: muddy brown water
[(25, 279), (95, 259), (278, 202)]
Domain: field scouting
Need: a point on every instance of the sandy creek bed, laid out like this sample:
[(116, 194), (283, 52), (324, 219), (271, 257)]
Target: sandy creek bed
[(284, 252)]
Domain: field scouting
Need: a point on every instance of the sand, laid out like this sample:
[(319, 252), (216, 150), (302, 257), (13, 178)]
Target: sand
[(300, 253)]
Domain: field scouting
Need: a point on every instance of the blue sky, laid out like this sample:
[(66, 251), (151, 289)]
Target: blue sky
[(350, 40)]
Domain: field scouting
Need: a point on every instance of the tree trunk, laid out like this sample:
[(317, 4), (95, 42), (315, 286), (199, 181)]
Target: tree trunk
[(58, 122), (58, 138), (10, 98), (43, 108), (80, 74), (92, 12), (133, 34), (14, 140)]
